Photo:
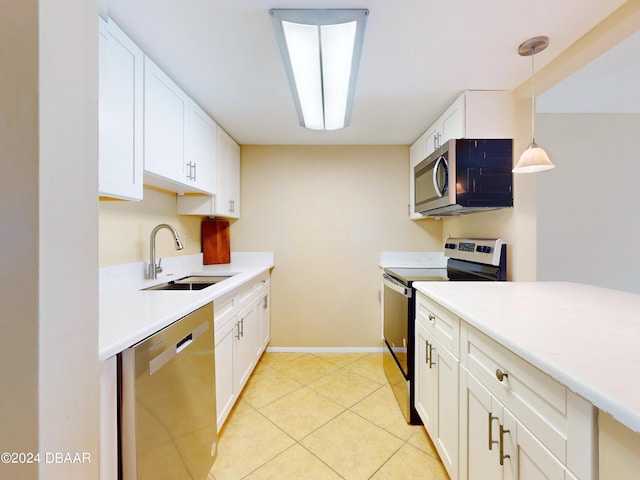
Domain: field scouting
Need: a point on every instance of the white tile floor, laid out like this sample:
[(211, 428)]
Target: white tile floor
[(322, 416)]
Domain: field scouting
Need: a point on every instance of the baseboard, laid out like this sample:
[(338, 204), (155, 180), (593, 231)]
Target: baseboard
[(325, 349)]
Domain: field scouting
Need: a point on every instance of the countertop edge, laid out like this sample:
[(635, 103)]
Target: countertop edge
[(118, 332)]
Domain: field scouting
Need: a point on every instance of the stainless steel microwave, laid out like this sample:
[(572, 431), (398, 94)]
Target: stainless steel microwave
[(465, 176)]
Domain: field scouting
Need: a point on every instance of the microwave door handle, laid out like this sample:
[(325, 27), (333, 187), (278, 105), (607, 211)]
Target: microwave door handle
[(436, 167)]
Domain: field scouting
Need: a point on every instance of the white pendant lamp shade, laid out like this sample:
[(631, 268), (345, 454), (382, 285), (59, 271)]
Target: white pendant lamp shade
[(534, 158), (321, 52)]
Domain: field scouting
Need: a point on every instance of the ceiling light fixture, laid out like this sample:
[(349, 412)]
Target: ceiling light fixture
[(321, 52), (534, 158)]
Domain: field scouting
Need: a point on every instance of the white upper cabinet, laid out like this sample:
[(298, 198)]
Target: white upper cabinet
[(200, 167), (166, 113), (120, 114), (228, 188), (226, 202), (180, 137), (474, 114)]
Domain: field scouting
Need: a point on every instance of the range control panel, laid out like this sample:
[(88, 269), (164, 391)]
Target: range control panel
[(481, 250)]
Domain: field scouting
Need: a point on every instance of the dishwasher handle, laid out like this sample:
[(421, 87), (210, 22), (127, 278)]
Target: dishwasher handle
[(390, 282), (165, 357)]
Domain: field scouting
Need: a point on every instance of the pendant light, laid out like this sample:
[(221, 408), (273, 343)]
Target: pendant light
[(533, 159)]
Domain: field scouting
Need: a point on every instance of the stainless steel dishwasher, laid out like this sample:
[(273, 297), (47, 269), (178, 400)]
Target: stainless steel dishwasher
[(168, 402)]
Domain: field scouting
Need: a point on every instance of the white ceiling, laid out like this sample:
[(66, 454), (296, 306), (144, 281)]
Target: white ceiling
[(417, 56)]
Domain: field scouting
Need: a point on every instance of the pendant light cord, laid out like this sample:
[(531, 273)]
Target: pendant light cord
[(533, 98)]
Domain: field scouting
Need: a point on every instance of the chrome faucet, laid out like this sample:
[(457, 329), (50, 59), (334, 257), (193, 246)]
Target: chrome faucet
[(153, 268)]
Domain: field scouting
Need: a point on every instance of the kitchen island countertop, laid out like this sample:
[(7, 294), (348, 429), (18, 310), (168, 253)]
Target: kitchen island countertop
[(129, 314), (586, 337)]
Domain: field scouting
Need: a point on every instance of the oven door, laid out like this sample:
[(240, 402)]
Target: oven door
[(397, 298)]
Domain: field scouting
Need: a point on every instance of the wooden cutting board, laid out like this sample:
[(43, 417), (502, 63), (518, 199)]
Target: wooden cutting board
[(215, 242)]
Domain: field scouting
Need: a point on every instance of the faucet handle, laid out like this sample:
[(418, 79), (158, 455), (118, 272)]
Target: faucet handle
[(158, 267)]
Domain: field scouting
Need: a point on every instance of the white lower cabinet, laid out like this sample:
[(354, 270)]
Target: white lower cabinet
[(225, 396), (437, 390), (491, 414), (497, 446), (264, 316), (246, 340), (240, 319)]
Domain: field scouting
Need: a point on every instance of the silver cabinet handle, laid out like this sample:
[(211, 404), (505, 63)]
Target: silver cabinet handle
[(426, 352), (237, 335), (502, 454), (431, 362), (432, 317), (191, 171), (500, 375), (491, 440)]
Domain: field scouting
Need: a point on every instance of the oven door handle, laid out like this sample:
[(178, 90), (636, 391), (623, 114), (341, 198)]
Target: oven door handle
[(393, 284)]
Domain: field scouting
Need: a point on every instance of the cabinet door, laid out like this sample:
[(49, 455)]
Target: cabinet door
[(453, 120), (200, 168), (447, 411), (234, 178), (165, 120), (245, 347), (432, 138), (120, 114), (528, 458), (225, 393), (480, 417), (264, 331), (228, 178), (425, 378), (437, 396)]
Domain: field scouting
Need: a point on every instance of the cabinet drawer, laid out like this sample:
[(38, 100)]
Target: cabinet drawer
[(224, 309), (226, 306), (261, 283), (544, 406), (441, 323)]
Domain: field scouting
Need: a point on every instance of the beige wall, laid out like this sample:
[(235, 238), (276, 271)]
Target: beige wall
[(125, 228), (327, 212), (589, 203), (48, 188)]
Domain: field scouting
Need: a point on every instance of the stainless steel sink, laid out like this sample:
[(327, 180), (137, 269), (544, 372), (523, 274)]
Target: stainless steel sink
[(191, 282)]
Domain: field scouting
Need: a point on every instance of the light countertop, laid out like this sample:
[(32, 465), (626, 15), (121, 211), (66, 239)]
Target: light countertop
[(129, 314), (586, 337)]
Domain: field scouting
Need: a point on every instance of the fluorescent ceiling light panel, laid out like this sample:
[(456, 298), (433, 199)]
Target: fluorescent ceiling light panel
[(321, 52)]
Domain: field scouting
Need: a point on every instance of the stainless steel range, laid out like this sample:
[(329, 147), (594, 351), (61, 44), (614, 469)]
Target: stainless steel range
[(469, 259)]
